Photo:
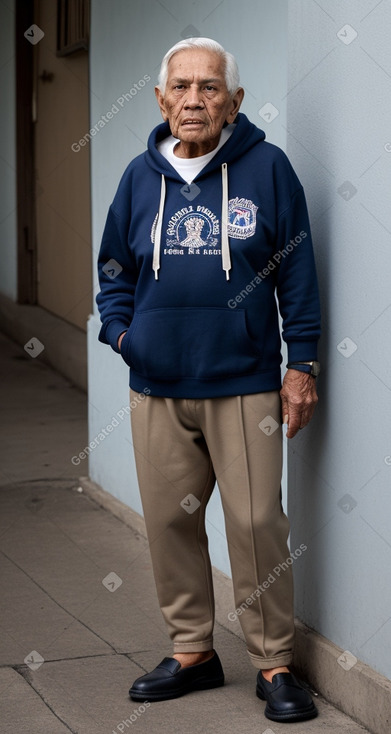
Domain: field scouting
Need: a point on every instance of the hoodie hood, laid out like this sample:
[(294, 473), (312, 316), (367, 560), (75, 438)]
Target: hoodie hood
[(243, 138)]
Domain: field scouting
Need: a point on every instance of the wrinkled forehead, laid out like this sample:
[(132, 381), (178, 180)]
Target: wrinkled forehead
[(196, 63)]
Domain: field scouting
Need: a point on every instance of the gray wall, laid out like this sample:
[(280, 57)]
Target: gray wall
[(8, 241), (126, 45), (338, 131)]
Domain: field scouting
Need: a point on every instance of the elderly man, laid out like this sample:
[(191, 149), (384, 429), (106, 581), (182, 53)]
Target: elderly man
[(206, 227)]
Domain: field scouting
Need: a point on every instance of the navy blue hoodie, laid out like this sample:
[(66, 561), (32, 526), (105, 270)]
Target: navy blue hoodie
[(191, 271)]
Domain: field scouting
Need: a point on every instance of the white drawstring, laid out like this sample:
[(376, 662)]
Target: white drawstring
[(225, 253), (158, 230)]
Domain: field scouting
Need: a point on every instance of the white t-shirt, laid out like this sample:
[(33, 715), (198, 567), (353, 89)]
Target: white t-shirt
[(189, 168)]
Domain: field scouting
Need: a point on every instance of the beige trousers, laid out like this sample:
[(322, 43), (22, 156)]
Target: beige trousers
[(181, 448)]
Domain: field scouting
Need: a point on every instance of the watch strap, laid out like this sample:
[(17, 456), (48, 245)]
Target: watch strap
[(300, 367)]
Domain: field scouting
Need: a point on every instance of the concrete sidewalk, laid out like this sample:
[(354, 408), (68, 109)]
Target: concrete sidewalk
[(79, 618)]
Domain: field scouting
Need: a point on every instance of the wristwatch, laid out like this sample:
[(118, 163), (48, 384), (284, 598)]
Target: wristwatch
[(310, 368)]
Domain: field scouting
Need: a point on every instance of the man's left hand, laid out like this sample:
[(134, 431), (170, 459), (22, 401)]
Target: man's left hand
[(298, 400)]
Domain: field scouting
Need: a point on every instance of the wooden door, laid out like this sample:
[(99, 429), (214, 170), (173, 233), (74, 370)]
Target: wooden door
[(63, 226)]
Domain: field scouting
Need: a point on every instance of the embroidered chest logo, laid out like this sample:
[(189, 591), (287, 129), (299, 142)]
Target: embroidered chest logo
[(242, 218), (195, 230)]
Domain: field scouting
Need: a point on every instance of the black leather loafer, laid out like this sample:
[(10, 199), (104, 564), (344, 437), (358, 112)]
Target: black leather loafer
[(286, 699), (170, 680)]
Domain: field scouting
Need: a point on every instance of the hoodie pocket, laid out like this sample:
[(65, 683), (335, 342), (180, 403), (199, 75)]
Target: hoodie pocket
[(195, 343)]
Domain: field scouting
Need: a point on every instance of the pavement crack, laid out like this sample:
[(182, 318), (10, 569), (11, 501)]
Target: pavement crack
[(24, 673), (129, 655), (60, 606)]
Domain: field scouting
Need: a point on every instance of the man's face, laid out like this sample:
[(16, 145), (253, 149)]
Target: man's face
[(196, 101)]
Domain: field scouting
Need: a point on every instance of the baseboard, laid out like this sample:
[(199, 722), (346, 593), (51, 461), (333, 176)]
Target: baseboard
[(65, 346), (358, 691)]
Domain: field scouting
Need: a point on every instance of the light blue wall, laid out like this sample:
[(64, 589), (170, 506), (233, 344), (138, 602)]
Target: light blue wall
[(126, 44), (8, 232), (338, 127)]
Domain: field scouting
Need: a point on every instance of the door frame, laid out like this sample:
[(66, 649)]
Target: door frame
[(25, 174)]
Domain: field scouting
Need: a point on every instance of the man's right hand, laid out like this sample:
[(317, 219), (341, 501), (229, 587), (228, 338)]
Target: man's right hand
[(121, 336)]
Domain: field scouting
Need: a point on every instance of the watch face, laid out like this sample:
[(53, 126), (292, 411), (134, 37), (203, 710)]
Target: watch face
[(315, 368)]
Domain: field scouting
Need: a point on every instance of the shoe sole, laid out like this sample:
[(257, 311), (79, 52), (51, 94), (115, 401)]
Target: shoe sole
[(167, 695), (299, 715)]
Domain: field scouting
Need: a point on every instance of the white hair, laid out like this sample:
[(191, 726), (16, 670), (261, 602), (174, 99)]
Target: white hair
[(230, 66)]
